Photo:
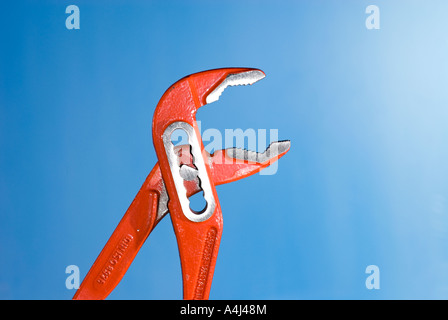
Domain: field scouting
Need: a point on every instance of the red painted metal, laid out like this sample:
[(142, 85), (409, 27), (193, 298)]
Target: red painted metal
[(198, 241)]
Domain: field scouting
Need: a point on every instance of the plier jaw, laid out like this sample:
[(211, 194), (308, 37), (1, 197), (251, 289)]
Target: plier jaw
[(181, 172)]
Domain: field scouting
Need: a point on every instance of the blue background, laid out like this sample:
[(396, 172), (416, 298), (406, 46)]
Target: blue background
[(365, 181)]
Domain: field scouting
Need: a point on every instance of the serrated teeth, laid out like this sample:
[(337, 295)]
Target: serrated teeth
[(274, 149), (236, 79)]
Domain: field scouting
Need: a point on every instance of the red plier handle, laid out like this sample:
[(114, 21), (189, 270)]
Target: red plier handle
[(198, 233), (124, 244)]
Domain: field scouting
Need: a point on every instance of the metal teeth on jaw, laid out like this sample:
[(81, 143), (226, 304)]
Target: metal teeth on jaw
[(274, 150), (236, 79)]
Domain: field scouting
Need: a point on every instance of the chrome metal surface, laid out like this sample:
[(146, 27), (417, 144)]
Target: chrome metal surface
[(202, 175)]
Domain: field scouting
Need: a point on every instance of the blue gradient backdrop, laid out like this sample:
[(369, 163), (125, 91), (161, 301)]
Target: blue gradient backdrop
[(365, 181)]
